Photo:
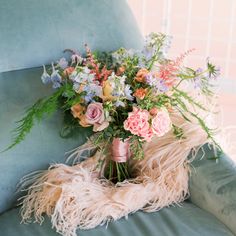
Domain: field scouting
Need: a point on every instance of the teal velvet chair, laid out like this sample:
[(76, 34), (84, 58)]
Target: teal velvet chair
[(33, 33)]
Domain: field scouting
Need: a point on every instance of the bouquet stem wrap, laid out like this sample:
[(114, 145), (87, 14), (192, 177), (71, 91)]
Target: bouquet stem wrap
[(120, 150), (75, 197)]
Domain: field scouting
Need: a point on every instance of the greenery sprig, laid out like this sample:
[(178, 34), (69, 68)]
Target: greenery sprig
[(43, 107)]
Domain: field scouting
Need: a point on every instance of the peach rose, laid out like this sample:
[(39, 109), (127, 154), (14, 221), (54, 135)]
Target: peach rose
[(153, 111), (77, 110), (95, 116), (83, 121), (161, 123), (137, 123), (140, 76), (140, 93)]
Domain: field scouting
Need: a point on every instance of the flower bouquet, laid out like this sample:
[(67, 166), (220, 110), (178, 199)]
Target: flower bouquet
[(145, 123)]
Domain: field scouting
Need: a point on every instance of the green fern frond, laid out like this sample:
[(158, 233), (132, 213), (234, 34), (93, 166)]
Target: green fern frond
[(41, 108)]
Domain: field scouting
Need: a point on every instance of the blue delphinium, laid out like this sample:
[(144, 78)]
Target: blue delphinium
[(92, 90), (83, 77), (55, 78), (119, 88), (155, 46), (46, 78)]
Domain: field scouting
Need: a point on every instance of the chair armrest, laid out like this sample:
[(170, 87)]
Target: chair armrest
[(213, 186)]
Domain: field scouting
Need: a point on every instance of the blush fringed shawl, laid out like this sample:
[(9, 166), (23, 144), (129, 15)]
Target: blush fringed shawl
[(74, 197)]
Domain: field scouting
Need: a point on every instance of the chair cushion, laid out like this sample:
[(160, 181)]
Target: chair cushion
[(36, 32), (173, 221), (213, 185)]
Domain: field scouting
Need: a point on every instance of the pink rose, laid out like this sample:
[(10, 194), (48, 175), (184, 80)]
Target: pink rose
[(161, 123), (137, 123), (95, 116)]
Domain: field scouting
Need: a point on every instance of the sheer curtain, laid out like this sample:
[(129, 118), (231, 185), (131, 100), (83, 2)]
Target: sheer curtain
[(209, 26)]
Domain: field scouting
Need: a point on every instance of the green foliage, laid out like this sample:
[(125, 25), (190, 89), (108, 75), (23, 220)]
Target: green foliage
[(71, 126), (104, 58), (183, 109), (190, 100), (43, 107), (136, 148), (178, 132)]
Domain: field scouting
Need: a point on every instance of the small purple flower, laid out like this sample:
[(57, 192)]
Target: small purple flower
[(198, 79), (148, 53), (161, 86), (45, 76), (63, 63), (156, 83)]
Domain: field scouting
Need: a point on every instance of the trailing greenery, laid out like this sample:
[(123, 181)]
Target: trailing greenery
[(191, 101), (43, 107)]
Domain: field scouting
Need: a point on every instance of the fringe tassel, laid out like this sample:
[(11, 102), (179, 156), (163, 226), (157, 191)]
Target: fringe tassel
[(74, 197)]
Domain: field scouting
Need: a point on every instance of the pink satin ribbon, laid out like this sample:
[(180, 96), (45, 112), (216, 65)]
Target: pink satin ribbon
[(120, 150)]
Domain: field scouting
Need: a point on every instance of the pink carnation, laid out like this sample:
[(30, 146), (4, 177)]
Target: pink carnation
[(149, 135), (161, 123), (137, 123)]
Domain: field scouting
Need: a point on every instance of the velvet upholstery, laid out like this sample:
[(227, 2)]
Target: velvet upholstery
[(36, 32), (213, 186), (187, 220)]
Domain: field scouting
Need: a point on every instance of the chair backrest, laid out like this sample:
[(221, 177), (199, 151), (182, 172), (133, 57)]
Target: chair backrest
[(33, 33)]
